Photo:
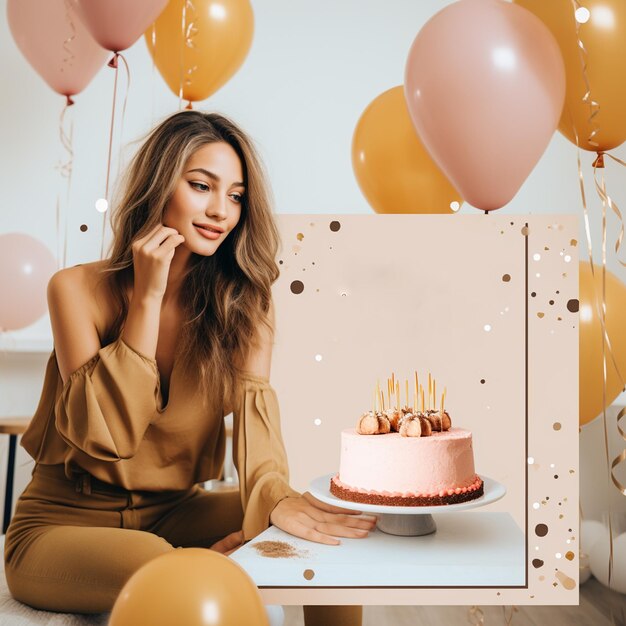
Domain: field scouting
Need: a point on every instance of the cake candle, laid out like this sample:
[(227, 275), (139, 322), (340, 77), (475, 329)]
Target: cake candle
[(434, 394)]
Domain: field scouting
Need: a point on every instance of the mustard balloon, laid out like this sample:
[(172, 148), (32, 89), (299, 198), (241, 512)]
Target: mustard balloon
[(190, 587), (392, 167), (200, 57), (591, 368), (604, 39)]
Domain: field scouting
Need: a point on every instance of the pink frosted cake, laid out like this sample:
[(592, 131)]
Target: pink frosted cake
[(431, 466)]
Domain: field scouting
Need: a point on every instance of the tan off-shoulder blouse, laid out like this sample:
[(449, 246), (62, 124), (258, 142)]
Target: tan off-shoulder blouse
[(108, 420)]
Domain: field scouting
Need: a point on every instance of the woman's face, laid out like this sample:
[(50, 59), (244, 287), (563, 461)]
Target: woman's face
[(206, 204)]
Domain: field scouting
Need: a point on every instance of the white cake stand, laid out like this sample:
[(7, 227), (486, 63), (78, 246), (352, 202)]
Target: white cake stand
[(408, 521)]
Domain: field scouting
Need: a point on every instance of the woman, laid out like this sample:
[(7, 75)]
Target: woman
[(152, 347)]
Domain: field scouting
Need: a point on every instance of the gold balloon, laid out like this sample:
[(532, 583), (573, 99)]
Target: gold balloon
[(591, 368), (216, 40), (604, 39), (190, 586), (392, 167)]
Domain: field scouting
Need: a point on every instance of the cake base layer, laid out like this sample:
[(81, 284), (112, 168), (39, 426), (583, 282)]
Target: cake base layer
[(371, 497)]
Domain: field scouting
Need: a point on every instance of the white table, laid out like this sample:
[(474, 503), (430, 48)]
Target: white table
[(469, 549)]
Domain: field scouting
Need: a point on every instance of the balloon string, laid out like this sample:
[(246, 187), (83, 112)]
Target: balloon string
[(605, 197), (509, 619), (594, 107), (65, 169), (112, 63), (590, 253), (475, 616), (606, 436), (121, 133)]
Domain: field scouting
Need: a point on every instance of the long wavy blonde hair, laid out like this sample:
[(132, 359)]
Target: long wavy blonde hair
[(226, 296)]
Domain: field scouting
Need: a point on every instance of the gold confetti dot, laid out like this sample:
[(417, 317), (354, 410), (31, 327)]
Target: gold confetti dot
[(525, 231), (540, 315), (506, 278), (569, 556), (573, 242), (308, 574), (300, 236), (546, 248), (556, 425)]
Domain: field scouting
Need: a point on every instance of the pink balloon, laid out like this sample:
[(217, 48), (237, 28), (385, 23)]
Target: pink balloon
[(26, 266), (55, 43), (117, 24), (485, 86)]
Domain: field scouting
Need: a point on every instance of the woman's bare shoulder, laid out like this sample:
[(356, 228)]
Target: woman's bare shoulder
[(84, 286)]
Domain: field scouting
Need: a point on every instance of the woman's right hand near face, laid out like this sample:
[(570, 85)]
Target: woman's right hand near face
[(152, 255)]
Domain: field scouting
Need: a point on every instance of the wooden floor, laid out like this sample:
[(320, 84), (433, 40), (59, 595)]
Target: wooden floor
[(598, 607)]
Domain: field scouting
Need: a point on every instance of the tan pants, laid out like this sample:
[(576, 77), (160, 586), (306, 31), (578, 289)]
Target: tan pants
[(72, 545)]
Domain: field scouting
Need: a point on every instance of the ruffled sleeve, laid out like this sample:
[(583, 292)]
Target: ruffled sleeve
[(106, 406), (259, 454)]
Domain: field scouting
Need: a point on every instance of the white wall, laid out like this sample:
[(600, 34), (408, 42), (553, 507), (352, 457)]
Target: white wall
[(312, 69)]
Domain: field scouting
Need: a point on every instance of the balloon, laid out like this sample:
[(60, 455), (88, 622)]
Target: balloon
[(217, 39), (590, 359), (393, 169), (591, 530), (55, 43), (604, 39), (485, 83), (190, 586), (599, 562), (117, 24), (26, 266)]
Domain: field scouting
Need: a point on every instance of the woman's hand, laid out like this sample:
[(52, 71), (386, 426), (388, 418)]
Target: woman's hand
[(152, 256), (229, 543), (312, 519)]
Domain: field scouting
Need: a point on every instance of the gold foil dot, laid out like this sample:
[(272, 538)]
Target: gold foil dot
[(540, 315), (546, 248), (561, 516), (565, 580), (506, 278), (537, 563), (297, 287), (300, 236), (83, 228), (573, 242), (572, 305), (569, 556), (502, 232), (559, 319), (335, 226), (556, 425), (525, 231), (541, 530), (308, 574)]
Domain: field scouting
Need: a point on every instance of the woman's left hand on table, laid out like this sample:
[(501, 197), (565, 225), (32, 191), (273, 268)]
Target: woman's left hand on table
[(312, 519)]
